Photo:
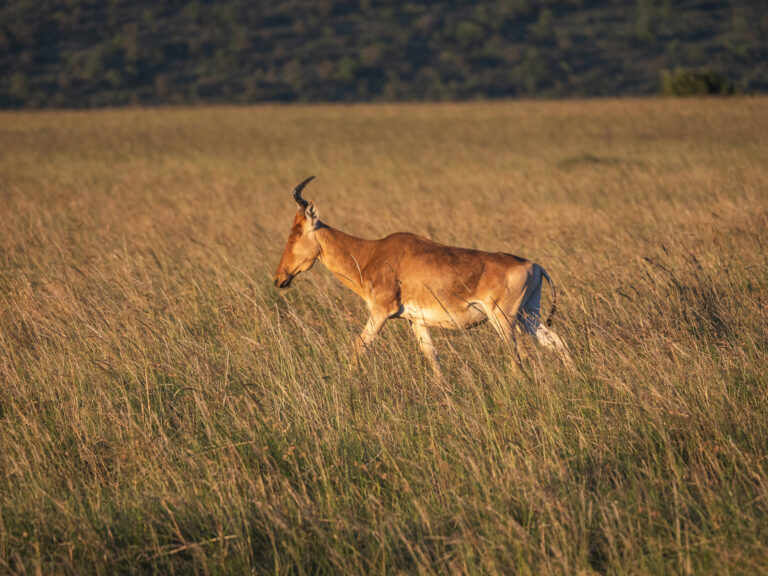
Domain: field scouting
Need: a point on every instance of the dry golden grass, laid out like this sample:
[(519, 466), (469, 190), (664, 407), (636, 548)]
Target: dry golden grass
[(163, 409)]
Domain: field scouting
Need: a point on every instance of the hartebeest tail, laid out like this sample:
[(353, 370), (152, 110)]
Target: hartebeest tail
[(553, 308), (428, 284)]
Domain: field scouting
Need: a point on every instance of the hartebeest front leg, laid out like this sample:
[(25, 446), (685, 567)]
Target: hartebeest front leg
[(426, 346), (372, 327)]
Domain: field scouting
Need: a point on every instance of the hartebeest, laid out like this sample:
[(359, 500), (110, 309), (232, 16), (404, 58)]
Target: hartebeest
[(429, 284)]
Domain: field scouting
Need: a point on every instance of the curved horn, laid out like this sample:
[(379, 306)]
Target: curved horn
[(297, 192)]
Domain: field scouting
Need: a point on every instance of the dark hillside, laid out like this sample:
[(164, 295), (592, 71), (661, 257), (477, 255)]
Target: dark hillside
[(87, 53)]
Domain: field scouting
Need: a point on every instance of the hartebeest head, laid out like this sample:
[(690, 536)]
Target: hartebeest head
[(302, 248)]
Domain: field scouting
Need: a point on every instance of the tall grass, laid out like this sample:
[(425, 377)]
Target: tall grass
[(163, 409)]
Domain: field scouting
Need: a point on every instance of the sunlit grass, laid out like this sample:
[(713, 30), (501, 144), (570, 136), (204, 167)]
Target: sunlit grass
[(163, 408)]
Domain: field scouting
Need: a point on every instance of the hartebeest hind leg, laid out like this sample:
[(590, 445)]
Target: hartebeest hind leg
[(529, 316), (549, 339), (504, 326), (426, 346)]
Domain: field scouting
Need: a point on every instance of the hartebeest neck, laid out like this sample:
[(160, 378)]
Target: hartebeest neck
[(345, 256)]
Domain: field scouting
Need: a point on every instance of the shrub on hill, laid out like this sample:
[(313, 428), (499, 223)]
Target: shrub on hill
[(682, 82)]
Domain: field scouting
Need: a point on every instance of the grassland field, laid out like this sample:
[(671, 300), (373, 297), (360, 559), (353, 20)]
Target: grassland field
[(163, 409)]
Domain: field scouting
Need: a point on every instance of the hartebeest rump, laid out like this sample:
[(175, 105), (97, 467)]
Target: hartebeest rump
[(429, 284)]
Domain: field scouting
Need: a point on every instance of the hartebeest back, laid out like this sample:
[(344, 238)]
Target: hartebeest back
[(429, 284)]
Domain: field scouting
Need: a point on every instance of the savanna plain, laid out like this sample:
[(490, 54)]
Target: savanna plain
[(164, 409)]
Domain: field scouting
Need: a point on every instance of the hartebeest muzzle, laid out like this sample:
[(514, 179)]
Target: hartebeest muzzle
[(283, 282)]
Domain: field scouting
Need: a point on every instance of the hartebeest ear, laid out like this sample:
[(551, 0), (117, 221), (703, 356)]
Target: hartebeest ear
[(310, 213)]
